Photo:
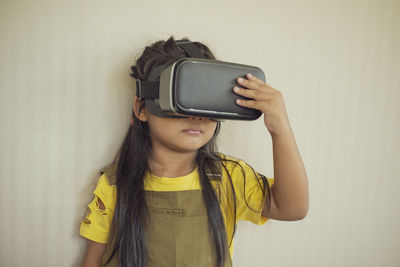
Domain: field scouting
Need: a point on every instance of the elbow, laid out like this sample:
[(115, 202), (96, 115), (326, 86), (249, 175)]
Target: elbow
[(303, 210), (301, 215), (294, 216)]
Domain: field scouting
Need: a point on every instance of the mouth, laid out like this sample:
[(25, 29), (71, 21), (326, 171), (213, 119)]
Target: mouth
[(193, 130)]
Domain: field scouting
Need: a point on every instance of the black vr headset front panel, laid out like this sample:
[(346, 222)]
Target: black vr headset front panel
[(204, 88)]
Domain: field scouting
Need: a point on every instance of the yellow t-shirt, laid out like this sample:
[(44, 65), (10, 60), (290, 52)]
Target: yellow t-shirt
[(96, 225)]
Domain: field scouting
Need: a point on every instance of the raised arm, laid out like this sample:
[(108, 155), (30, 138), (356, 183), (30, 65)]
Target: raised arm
[(290, 196)]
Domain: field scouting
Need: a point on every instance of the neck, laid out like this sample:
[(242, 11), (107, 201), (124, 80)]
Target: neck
[(168, 163)]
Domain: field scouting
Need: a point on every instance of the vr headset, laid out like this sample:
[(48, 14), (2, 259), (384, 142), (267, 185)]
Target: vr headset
[(196, 87)]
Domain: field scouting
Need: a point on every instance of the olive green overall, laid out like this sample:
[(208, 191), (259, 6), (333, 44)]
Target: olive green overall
[(179, 234)]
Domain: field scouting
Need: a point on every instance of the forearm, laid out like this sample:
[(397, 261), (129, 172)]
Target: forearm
[(94, 254), (290, 188)]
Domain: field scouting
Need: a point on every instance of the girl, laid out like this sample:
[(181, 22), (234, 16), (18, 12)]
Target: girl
[(170, 199)]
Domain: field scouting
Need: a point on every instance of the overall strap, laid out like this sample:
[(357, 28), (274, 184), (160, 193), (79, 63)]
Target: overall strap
[(111, 171), (213, 170)]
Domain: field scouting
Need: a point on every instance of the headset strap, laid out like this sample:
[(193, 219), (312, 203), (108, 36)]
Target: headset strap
[(152, 87), (151, 91), (191, 49)]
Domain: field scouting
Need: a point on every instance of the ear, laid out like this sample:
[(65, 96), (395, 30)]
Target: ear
[(137, 104)]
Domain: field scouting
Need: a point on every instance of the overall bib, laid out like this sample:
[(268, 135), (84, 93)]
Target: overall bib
[(179, 234)]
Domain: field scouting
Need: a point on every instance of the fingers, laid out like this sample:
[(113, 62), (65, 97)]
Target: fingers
[(246, 103), (254, 94), (262, 93), (259, 95), (250, 83), (256, 101), (252, 79), (256, 88)]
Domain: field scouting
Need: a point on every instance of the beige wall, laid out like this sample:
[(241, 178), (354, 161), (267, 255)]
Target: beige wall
[(65, 105)]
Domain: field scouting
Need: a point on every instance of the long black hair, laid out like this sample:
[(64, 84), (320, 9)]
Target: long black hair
[(130, 211)]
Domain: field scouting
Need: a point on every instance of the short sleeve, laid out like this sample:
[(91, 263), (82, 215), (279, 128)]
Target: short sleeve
[(97, 222), (248, 188)]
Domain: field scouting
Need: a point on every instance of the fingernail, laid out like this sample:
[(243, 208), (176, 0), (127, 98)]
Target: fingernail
[(249, 74), (240, 80)]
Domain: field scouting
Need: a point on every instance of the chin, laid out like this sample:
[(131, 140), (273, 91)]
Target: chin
[(191, 147)]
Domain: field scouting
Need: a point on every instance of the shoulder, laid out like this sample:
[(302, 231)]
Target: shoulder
[(232, 163), (109, 174), (228, 158), (239, 167), (106, 185)]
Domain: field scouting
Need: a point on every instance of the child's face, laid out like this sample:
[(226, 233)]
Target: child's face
[(178, 134)]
